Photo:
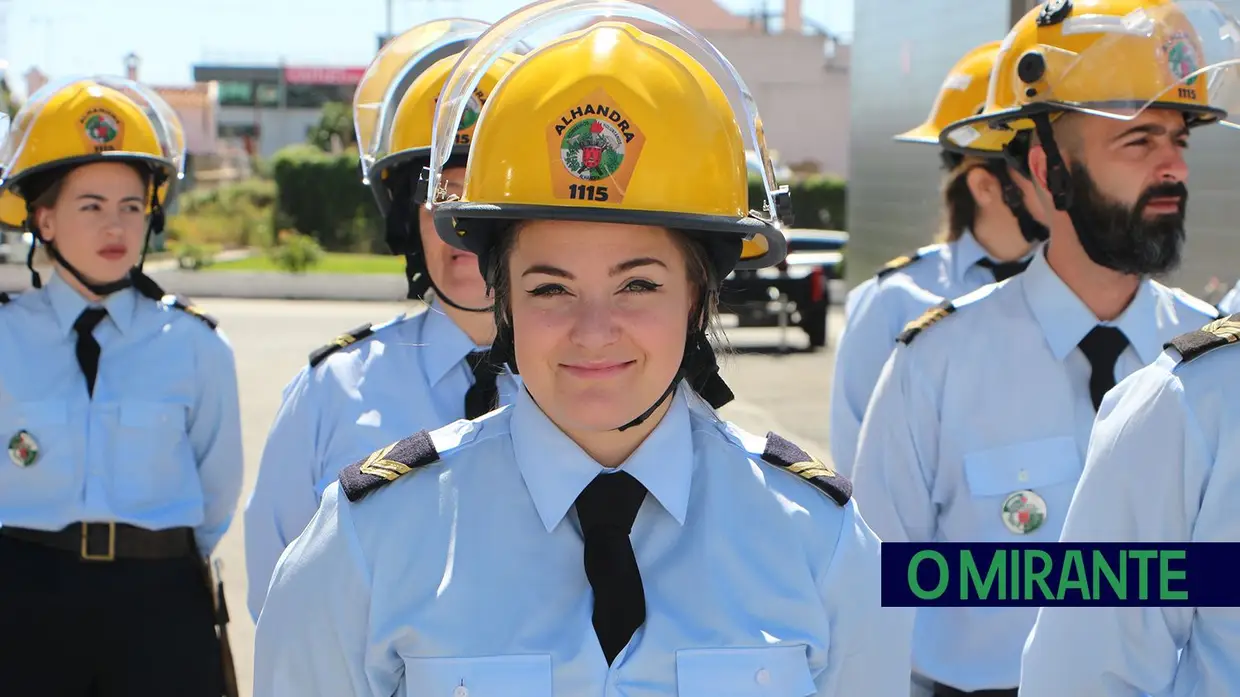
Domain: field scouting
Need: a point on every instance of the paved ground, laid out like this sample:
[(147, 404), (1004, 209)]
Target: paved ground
[(775, 391)]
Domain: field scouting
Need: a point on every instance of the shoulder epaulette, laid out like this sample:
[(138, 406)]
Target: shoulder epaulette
[(1220, 332), (184, 304), (782, 452), (929, 317), (901, 262), (388, 464), (352, 336)]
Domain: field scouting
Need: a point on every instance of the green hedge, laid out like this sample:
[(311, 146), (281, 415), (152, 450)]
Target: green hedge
[(818, 201), (321, 195)]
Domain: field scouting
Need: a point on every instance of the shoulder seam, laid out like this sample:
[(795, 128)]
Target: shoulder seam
[(187, 306), (927, 319), (904, 261), (341, 341), (353, 336)]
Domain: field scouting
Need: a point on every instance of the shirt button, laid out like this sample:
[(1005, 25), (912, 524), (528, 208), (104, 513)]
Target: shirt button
[(460, 691), (763, 676), (1023, 475)]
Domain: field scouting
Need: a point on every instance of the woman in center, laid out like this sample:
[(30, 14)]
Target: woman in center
[(607, 533)]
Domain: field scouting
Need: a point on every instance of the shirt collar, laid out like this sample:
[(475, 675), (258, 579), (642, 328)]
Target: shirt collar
[(966, 252), (68, 304), (1065, 319), (1139, 322), (445, 344), (556, 469)]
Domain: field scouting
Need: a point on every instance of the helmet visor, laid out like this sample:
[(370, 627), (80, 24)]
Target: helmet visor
[(169, 134), (391, 73), (1181, 55)]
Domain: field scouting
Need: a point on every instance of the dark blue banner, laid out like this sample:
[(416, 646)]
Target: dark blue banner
[(943, 574)]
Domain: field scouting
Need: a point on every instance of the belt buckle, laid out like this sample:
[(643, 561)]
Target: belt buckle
[(110, 555)]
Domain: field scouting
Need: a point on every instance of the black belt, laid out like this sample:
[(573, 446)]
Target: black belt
[(941, 690), (109, 541)]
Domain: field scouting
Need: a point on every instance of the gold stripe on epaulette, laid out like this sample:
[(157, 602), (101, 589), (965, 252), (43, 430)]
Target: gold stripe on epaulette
[(811, 469), (388, 469), (378, 466), (1226, 328)]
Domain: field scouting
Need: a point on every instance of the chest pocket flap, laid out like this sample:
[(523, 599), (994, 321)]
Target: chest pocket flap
[(771, 671), (153, 415), (489, 676), (1030, 465)]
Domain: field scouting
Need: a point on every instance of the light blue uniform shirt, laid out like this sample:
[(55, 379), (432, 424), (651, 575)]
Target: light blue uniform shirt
[(469, 575), (1231, 302), (989, 401), (858, 295), (409, 375), (942, 271), (1163, 466), (158, 447)]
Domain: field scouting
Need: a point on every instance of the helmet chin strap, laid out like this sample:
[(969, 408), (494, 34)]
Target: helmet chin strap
[(1059, 178), (448, 301), (1030, 228), (403, 237)]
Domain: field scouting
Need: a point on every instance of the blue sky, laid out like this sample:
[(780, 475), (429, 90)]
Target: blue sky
[(65, 37)]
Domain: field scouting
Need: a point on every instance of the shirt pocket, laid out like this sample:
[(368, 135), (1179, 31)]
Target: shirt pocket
[(151, 455), (488, 676), (39, 432), (771, 671), (1021, 492)]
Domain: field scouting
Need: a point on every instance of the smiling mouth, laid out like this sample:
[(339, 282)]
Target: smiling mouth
[(598, 370)]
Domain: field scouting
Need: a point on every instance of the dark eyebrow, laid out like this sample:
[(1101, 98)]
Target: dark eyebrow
[(101, 199), (615, 270), (1152, 129), (635, 263), (548, 270)]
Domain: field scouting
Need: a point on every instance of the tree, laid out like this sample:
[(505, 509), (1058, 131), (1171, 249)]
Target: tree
[(334, 131)]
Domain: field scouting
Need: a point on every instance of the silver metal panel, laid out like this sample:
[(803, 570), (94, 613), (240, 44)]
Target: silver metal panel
[(901, 52)]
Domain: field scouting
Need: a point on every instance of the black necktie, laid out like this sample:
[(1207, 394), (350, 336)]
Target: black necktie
[(483, 396), (1102, 346), (87, 348), (1003, 269), (607, 509)]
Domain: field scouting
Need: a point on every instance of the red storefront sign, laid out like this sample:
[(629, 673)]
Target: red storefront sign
[(323, 76)]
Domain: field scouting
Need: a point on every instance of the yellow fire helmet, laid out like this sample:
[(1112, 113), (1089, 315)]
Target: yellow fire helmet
[(1111, 58), (380, 94), (81, 120), (409, 136), (963, 94), (611, 124)]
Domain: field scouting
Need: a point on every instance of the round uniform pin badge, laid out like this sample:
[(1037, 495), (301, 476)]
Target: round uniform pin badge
[(23, 449), (1023, 512)]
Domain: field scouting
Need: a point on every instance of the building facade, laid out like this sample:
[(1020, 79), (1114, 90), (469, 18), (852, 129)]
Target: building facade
[(269, 107), (901, 52), (799, 81)]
